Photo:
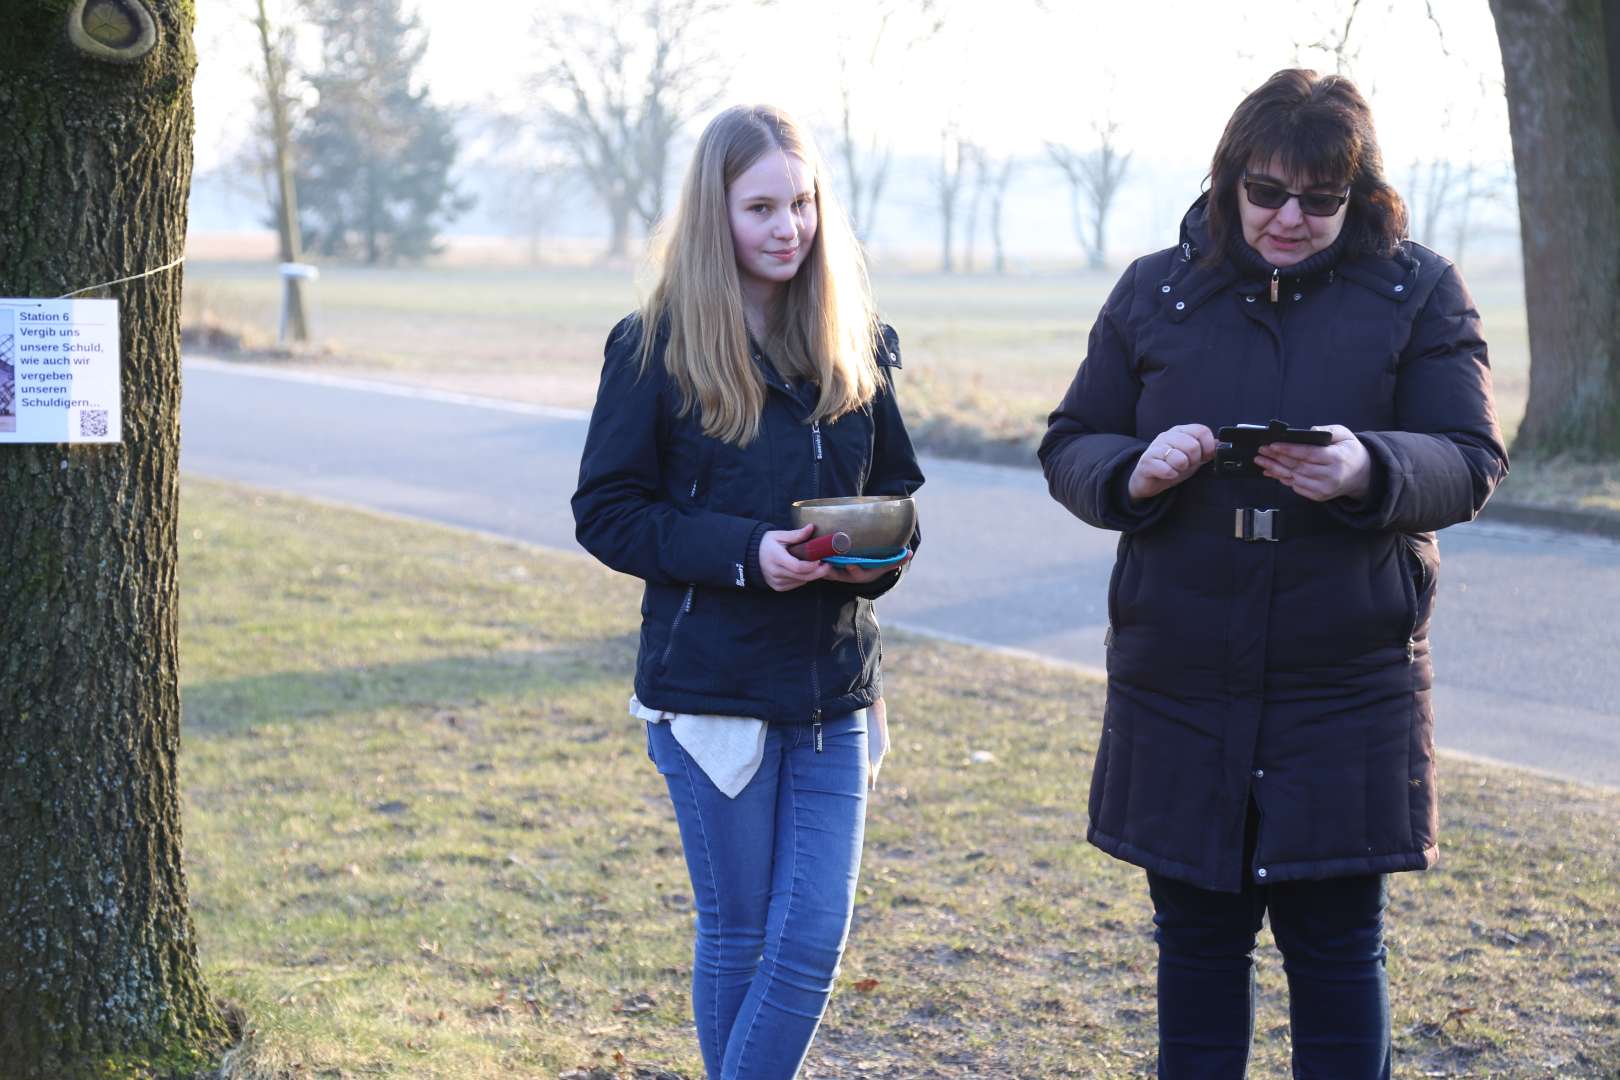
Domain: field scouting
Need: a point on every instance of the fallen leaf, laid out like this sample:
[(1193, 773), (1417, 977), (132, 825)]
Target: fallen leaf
[(866, 986)]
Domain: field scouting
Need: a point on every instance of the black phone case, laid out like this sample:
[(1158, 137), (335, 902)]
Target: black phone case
[(1253, 435), (1234, 455)]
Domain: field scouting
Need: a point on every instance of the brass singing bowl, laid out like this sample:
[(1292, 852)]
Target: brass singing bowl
[(878, 525)]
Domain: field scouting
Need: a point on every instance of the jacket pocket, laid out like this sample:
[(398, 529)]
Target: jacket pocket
[(681, 613), (697, 491), (1421, 561), (1121, 558)]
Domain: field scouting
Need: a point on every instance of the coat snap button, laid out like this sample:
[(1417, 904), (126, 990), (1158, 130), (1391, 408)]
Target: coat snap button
[(1181, 305), (1400, 288), (1250, 299), (1299, 296), (1164, 288), (1260, 872), (1259, 774), (891, 358)]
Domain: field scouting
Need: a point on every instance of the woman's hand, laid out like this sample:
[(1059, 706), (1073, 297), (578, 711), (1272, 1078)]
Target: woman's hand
[(780, 569), (1341, 469), (1170, 458)]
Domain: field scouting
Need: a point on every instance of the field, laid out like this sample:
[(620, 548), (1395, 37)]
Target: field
[(423, 840), (986, 358)]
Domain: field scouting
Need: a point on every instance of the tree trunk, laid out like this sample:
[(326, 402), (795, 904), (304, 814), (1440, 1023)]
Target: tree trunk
[(970, 239), (1566, 151), (98, 958), (998, 199), (275, 86), (373, 213), (619, 238), (1096, 258)]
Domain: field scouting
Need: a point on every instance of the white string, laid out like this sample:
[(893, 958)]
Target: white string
[(120, 281)]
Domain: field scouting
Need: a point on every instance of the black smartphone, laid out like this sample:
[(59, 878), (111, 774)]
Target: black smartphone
[(1236, 444)]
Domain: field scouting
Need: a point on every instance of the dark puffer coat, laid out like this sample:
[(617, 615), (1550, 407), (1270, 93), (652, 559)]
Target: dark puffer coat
[(684, 512), (1294, 673)]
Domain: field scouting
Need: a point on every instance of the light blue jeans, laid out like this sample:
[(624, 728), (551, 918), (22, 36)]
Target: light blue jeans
[(773, 879)]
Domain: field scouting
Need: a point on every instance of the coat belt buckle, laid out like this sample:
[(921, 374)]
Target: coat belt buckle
[(1253, 525)]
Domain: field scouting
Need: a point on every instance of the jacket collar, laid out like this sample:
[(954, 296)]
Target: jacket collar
[(1393, 278), (1194, 277)]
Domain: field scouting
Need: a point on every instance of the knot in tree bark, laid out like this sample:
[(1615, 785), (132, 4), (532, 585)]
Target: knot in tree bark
[(115, 31)]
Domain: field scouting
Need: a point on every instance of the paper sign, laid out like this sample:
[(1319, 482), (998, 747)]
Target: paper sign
[(59, 371)]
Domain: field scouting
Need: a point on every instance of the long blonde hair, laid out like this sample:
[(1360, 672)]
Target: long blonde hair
[(826, 326)]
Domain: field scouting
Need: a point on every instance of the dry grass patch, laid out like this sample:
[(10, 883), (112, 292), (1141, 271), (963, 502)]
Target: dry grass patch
[(425, 841)]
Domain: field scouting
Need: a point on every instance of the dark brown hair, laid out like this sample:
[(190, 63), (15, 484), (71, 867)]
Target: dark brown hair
[(1321, 129)]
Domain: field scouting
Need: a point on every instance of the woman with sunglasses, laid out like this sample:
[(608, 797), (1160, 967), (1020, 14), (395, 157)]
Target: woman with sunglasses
[(1267, 746)]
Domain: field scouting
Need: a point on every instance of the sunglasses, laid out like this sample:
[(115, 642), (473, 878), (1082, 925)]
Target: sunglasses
[(1271, 196)]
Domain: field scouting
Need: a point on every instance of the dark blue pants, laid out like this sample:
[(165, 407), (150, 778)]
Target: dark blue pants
[(1331, 936)]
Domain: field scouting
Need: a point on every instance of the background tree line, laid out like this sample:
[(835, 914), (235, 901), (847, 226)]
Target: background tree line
[(617, 85)]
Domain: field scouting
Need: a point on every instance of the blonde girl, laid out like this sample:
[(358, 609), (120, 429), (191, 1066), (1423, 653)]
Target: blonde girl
[(755, 374)]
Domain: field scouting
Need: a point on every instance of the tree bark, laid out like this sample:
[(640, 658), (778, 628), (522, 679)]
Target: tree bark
[(1566, 151), (98, 958)]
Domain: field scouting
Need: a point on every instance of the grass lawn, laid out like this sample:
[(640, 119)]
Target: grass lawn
[(424, 840)]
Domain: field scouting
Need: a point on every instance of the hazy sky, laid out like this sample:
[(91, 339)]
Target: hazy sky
[(1169, 70), (1010, 73)]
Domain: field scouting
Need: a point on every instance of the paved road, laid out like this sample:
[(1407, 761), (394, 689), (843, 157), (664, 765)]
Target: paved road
[(1527, 631)]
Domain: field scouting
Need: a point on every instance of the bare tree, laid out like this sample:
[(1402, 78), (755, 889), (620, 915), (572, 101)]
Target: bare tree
[(955, 159), (1444, 191), (525, 180), (1336, 41), (978, 165), (1003, 174), (531, 197), (1443, 194), (276, 45), (863, 152), (618, 81), (865, 158), (1095, 177)]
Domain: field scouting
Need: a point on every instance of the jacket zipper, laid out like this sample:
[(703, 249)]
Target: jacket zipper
[(815, 674), (686, 606)]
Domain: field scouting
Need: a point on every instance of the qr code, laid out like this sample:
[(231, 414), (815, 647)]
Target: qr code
[(92, 423)]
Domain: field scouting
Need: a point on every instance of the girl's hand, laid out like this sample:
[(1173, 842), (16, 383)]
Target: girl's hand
[(1341, 469), (862, 575), (781, 570), (1170, 458)]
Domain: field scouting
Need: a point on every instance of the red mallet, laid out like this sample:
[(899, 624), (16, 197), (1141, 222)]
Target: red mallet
[(822, 546)]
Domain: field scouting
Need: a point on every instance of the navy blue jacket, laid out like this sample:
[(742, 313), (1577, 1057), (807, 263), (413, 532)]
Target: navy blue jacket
[(662, 501), (1294, 673)]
